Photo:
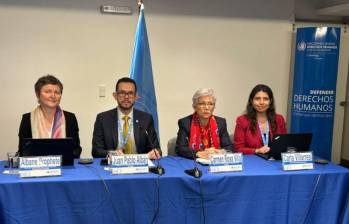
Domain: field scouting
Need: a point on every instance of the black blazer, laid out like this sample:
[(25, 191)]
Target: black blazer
[(105, 133), (71, 128), (183, 135)]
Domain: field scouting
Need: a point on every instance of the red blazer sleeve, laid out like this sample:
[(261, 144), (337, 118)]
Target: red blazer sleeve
[(241, 133)]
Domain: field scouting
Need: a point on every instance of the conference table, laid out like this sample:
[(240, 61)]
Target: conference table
[(261, 193)]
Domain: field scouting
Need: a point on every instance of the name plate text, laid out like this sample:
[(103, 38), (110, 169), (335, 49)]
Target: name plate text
[(39, 162), (129, 164), (40, 166), (297, 161), (226, 162)]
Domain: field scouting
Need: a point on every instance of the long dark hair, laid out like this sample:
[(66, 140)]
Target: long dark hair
[(251, 112)]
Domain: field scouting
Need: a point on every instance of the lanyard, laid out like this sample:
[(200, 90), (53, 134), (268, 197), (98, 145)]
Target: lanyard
[(265, 137), (123, 140)]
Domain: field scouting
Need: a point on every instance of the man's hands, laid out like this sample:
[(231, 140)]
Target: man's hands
[(154, 154)]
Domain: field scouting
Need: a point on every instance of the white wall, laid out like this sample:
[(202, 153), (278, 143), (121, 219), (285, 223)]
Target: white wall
[(227, 45)]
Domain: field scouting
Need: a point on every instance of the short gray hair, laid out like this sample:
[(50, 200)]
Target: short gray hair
[(203, 92)]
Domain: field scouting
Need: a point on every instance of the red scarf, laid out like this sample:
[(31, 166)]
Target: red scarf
[(203, 137)]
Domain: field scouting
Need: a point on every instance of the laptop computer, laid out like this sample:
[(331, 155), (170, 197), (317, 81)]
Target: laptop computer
[(288, 143), (50, 146)]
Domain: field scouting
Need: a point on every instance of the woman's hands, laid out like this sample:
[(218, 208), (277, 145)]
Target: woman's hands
[(205, 154), (263, 149)]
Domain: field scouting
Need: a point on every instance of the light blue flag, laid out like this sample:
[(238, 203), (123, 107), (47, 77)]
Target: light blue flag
[(142, 73)]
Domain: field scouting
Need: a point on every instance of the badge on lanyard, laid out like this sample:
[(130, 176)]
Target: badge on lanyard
[(265, 137)]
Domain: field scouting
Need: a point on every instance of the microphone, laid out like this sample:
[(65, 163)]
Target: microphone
[(158, 169), (195, 172)]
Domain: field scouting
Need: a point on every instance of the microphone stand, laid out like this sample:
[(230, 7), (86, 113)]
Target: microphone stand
[(158, 169), (195, 172)]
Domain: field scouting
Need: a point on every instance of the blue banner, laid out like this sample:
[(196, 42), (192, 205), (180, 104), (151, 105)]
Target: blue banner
[(142, 73), (314, 86)]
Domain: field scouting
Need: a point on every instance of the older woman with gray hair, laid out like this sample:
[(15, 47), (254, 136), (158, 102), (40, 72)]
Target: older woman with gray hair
[(202, 134)]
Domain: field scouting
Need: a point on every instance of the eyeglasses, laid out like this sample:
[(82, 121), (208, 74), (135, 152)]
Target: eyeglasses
[(123, 94), (204, 104)]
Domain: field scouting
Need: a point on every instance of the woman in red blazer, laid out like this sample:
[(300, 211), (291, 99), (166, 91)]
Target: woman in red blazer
[(255, 129)]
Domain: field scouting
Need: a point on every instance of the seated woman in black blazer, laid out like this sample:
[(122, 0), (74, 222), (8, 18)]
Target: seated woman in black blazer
[(202, 133), (48, 120)]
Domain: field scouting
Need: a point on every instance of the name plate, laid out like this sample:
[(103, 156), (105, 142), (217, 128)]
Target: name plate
[(129, 164), (40, 166), (39, 162), (226, 162), (297, 161), (40, 173)]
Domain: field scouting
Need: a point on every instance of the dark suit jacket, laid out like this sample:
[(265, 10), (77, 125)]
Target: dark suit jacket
[(105, 133), (183, 135), (71, 128), (246, 141)]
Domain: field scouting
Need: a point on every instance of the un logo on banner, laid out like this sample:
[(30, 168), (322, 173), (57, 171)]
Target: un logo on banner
[(301, 46)]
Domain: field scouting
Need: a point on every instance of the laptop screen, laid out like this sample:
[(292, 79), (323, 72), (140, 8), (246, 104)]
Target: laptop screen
[(289, 143), (50, 146)]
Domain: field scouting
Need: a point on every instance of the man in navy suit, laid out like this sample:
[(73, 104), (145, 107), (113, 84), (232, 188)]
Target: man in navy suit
[(125, 129)]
